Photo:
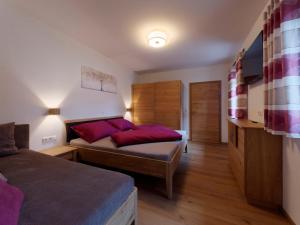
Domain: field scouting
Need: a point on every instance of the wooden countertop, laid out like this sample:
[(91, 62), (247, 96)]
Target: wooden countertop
[(246, 124)]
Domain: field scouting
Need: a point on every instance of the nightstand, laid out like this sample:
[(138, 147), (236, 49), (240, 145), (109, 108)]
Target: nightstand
[(64, 152)]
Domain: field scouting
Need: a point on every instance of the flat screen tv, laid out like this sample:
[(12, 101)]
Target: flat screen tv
[(253, 61)]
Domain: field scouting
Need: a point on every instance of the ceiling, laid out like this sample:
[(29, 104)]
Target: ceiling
[(201, 32)]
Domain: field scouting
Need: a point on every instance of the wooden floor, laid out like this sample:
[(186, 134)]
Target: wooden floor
[(205, 193)]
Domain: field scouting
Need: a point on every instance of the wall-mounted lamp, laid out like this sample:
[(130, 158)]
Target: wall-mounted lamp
[(54, 111)]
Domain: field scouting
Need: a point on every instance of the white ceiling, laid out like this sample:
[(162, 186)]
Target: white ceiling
[(201, 32)]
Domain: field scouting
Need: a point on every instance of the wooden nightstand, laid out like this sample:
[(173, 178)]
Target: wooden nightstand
[(64, 152)]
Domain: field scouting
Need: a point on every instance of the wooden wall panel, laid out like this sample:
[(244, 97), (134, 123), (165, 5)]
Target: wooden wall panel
[(143, 103), (205, 111), (158, 103)]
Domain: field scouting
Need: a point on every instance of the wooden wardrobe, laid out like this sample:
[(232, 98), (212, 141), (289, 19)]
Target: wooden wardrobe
[(158, 103)]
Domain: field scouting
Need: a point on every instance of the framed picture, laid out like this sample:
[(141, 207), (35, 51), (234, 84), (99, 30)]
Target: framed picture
[(96, 80)]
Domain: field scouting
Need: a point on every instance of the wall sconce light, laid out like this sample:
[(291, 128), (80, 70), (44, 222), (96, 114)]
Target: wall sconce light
[(54, 111)]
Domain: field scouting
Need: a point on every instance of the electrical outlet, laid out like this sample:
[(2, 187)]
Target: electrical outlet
[(49, 140)]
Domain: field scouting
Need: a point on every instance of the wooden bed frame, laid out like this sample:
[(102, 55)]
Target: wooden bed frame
[(147, 166)]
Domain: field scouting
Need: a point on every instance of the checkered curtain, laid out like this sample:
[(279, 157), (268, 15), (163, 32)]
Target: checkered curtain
[(282, 67), (237, 91)]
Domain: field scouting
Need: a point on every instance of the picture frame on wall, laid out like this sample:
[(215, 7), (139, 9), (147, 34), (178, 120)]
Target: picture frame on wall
[(96, 80)]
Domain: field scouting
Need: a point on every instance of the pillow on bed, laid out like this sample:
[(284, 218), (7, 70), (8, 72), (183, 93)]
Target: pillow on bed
[(142, 136), (11, 199), (7, 139), (121, 124), (94, 131)]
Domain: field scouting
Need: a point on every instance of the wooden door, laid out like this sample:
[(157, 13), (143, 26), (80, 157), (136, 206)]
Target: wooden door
[(143, 103), (205, 112), (168, 104)]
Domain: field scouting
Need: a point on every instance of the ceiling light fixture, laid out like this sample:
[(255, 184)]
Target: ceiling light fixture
[(157, 39)]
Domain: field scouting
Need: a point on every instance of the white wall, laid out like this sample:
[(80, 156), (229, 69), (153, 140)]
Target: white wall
[(291, 147), (41, 68), (211, 73)]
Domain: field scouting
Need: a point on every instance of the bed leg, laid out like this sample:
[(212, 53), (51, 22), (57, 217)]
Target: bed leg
[(169, 186), (186, 149)]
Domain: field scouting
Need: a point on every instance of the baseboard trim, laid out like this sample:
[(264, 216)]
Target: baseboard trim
[(288, 217)]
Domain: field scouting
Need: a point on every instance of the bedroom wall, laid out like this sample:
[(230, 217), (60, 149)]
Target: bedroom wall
[(200, 74), (41, 68), (291, 147)]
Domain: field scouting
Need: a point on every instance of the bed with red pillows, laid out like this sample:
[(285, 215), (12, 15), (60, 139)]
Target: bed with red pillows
[(124, 133), (118, 143)]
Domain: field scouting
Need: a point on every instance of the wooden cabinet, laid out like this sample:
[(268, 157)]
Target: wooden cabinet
[(143, 103), (64, 152), (256, 161), (158, 103)]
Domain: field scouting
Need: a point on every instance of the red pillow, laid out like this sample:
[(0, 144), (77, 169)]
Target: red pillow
[(11, 199), (94, 131), (150, 135), (121, 124)]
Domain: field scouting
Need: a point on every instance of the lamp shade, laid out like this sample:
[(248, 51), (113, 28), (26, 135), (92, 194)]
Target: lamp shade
[(157, 39), (54, 111)]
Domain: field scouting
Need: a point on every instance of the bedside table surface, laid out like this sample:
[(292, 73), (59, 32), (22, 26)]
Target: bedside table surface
[(56, 151)]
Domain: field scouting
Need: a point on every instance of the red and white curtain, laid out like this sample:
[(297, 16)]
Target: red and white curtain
[(237, 91), (282, 67)]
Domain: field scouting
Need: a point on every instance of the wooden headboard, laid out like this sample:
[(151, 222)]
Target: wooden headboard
[(70, 123)]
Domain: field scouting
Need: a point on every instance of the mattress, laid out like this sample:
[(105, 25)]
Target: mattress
[(160, 150), (60, 192)]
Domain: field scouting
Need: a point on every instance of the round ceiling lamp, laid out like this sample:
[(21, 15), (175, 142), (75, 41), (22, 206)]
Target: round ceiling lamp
[(157, 39)]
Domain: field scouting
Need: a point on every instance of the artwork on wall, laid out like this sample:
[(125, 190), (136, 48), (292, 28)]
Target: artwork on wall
[(96, 80)]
